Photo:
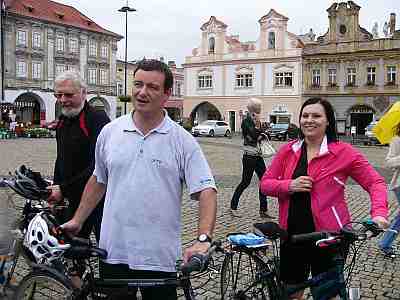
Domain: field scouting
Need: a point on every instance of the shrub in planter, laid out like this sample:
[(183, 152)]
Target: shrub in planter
[(187, 124)]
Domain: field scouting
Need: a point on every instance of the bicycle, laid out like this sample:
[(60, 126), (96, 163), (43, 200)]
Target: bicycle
[(31, 186), (45, 282), (263, 280)]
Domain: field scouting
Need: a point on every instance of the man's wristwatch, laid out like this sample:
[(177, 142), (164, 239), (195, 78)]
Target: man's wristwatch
[(204, 238)]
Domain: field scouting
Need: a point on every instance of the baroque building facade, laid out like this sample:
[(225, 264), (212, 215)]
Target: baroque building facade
[(43, 39), (357, 71), (223, 72)]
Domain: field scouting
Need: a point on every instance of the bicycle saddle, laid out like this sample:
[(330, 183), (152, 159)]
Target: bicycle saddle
[(270, 230)]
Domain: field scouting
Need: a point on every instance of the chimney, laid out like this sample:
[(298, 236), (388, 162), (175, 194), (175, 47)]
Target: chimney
[(392, 23), (171, 64)]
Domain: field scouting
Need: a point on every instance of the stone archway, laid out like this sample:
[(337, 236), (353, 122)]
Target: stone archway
[(100, 103), (205, 111), (30, 108), (360, 116)]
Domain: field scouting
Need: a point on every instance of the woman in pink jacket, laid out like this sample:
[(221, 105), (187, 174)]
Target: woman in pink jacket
[(308, 177)]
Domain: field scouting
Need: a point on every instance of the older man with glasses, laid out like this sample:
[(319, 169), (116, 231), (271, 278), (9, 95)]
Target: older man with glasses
[(76, 132)]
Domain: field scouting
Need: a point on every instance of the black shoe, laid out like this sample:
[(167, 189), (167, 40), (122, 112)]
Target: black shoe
[(264, 214)]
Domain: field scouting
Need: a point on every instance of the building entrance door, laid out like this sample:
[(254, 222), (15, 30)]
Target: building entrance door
[(232, 120)]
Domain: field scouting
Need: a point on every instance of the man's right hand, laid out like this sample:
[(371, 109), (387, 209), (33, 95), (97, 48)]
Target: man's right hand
[(72, 227)]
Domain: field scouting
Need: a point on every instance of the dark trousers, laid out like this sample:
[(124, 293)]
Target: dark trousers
[(250, 164), (93, 222), (121, 271)]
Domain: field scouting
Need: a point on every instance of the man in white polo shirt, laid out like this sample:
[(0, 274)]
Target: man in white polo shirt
[(142, 161)]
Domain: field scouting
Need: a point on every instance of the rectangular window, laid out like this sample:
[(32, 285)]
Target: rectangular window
[(60, 69), (279, 79), (120, 89), (103, 76), (72, 68), (244, 80), (36, 70), (371, 75), (21, 69), (284, 79), (92, 76), (104, 51), (178, 89), (332, 77), (391, 74), (316, 78), (288, 79), (351, 76), (205, 81), (36, 40), (73, 45), (60, 44), (92, 48), (21, 38)]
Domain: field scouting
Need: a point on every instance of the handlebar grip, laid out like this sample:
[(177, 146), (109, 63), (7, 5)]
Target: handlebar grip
[(195, 263), (308, 237)]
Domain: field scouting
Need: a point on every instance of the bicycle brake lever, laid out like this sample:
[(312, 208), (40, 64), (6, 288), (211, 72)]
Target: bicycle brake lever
[(320, 243)]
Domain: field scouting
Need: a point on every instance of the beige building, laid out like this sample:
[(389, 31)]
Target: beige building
[(223, 72), (356, 70), (43, 39), (130, 68)]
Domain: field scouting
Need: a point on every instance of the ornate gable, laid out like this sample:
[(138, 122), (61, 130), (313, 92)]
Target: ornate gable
[(213, 25)]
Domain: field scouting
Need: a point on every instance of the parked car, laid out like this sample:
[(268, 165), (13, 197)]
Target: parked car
[(370, 137), (278, 131), (212, 128)]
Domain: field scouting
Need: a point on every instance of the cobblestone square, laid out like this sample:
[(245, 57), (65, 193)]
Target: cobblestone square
[(378, 278)]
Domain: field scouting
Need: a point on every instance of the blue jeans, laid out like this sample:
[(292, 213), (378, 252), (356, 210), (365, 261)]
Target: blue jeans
[(390, 235)]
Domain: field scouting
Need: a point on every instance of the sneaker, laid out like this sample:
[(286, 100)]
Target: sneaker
[(264, 214), (234, 213)]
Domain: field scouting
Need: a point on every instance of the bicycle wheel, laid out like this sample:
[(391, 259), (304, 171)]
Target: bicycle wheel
[(240, 272), (43, 285)]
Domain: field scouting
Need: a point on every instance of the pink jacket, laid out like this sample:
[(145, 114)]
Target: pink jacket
[(330, 170)]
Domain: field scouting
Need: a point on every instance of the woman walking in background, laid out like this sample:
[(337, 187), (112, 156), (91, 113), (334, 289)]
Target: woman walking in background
[(252, 160), (393, 161)]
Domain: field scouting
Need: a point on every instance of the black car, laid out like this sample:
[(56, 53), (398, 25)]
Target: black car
[(283, 131), (278, 131)]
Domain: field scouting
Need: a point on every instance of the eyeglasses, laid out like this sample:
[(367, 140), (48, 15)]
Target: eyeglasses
[(66, 95)]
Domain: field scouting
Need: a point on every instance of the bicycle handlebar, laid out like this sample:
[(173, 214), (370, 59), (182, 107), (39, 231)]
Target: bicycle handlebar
[(345, 234), (199, 262)]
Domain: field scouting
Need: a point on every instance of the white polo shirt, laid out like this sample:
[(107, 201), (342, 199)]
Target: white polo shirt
[(144, 175)]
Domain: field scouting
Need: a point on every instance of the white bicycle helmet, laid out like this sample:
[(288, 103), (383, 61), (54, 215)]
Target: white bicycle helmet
[(41, 239)]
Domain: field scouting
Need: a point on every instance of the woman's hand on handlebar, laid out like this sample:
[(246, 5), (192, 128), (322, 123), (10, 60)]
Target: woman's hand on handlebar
[(382, 222)]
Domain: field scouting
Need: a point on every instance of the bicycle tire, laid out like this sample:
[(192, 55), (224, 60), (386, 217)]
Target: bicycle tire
[(44, 285), (238, 273)]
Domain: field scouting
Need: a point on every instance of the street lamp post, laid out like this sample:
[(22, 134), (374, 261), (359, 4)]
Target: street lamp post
[(125, 9)]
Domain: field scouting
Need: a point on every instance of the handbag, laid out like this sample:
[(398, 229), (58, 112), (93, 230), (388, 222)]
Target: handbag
[(266, 148)]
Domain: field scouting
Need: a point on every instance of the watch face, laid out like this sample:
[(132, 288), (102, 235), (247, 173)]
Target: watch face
[(202, 237)]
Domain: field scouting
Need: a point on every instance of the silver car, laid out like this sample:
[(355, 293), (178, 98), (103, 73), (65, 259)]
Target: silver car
[(212, 128)]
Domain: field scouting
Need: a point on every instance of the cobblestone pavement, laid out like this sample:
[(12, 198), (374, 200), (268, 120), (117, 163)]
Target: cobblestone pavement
[(378, 278)]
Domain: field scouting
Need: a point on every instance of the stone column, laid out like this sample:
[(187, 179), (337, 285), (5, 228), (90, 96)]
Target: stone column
[(50, 57)]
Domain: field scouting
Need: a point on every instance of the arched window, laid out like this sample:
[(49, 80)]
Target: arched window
[(271, 40), (211, 45)]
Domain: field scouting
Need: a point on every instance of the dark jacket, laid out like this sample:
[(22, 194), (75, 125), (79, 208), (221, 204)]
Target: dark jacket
[(250, 132), (76, 143)]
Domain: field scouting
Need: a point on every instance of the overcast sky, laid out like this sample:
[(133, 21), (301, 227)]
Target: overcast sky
[(171, 28)]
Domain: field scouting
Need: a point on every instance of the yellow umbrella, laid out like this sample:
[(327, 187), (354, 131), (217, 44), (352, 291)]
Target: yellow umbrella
[(384, 130)]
